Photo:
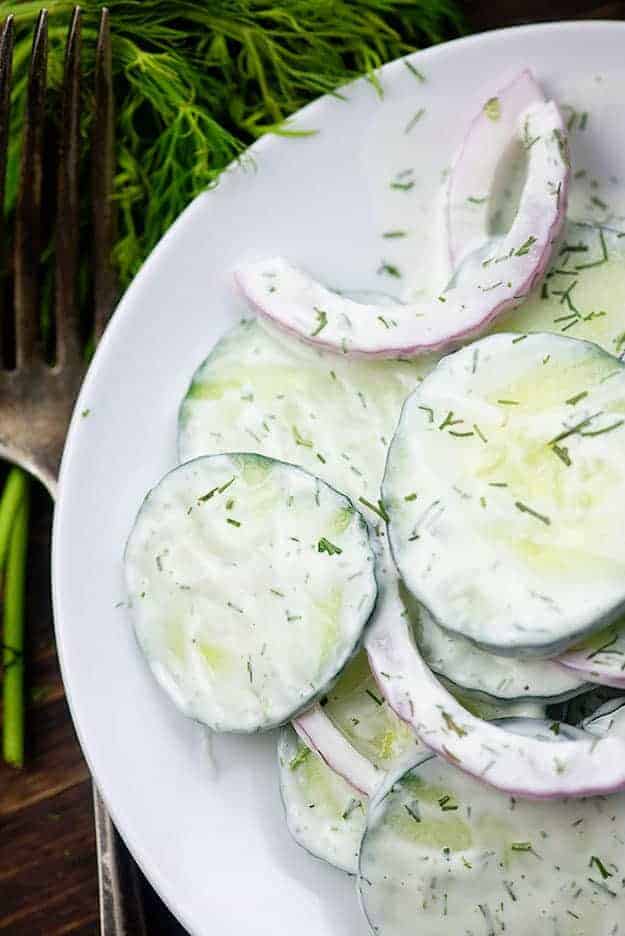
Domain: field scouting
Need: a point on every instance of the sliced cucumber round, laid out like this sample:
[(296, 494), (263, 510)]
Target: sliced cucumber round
[(259, 390), (324, 813), (444, 854), (502, 488), (251, 582), (600, 659), (505, 678)]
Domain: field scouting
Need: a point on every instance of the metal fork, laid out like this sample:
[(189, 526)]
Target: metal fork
[(36, 399)]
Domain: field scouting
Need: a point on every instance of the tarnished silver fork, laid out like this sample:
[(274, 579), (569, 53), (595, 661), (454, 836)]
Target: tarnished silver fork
[(36, 398)]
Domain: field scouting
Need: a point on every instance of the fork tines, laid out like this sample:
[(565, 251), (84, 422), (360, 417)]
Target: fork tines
[(30, 233)]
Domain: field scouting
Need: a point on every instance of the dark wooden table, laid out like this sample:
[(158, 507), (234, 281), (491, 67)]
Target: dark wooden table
[(47, 849)]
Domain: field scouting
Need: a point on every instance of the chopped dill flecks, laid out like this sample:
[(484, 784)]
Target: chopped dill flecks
[(509, 402), (583, 120), (374, 697), (575, 399), (415, 71), (450, 421), (562, 453), (498, 484), (525, 248), (603, 259), (322, 321), (519, 338), (461, 435), (599, 865), (429, 411), (413, 810), (207, 496), (380, 509), (299, 758), (234, 523), (477, 201), (393, 234), (321, 458), (414, 119), (533, 513), (521, 846), (410, 497), (573, 429), (275, 591), (479, 433), (482, 501), (453, 726), (299, 439), (388, 269), (596, 432), (598, 202), (492, 108), (325, 546)]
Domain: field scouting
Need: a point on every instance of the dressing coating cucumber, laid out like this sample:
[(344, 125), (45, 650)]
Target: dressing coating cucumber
[(251, 582), (324, 813), (259, 390), (444, 854), (502, 487), (507, 679)]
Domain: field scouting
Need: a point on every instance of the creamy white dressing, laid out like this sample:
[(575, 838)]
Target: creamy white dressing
[(324, 813), (250, 582)]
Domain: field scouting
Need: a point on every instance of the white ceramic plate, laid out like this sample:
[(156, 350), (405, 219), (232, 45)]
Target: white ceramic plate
[(214, 843)]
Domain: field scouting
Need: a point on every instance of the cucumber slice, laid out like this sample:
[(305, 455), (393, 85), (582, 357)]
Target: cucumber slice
[(477, 671), (303, 306), (600, 659), (608, 719), (260, 391), (444, 854), (502, 487), (324, 813), (472, 178), (251, 582)]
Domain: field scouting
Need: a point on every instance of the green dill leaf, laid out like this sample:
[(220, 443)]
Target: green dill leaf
[(374, 697), (302, 754), (299, 438), (325, 546), (380, 509), (414, 120), (322, 321), (533, 513), (525, 248)]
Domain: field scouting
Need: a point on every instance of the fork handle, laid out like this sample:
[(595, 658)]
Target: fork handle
[(121, 904)]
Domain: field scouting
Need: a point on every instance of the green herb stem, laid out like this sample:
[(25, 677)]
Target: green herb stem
[(13, 638)]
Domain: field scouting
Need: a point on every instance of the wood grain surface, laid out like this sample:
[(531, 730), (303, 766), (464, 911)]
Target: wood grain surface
[(48, 883)]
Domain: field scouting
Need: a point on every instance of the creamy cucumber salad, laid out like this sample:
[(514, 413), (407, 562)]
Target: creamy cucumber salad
[(395, 535)]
